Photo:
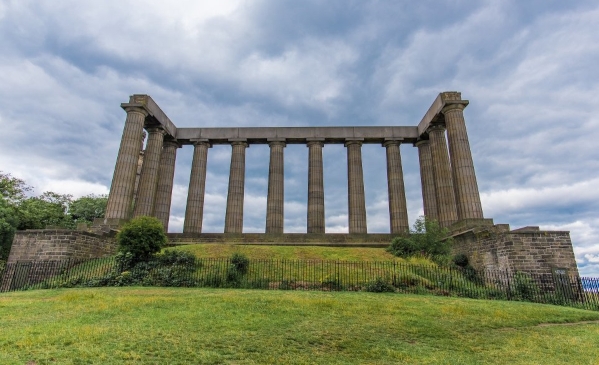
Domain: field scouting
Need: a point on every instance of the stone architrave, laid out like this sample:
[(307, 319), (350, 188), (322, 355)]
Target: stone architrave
[(148, 181), (123, 180), (234, 214), (194, 211), (355, 191), (316, 222), (276, 195), (462, 166), (164, 191), (446, 205), (398, 210), (427, 179)]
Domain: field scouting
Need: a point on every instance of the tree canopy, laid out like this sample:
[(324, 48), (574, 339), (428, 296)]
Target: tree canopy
[(19, 209)]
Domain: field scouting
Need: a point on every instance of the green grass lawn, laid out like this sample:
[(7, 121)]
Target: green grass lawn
[(164, 325), (289, 252)]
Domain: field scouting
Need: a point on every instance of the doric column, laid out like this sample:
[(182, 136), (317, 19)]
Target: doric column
[(164, 191), (355, 191), (276, 186), (194, 210), (148, 181), (398, 210), (464, 178), (123, 179), (234, 215), (446, 206), (315, 187), (427, 179)]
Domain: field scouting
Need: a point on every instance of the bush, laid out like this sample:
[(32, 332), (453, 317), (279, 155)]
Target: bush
[(142, 237), (426, 238), (380, 285), (461, 260), (240, 263), (403, 247)]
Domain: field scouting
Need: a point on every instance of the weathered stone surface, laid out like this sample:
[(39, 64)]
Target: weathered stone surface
[(276, 189), (445, 194), (355, 191), (398, 210), (462, 167), (148, 181), (535, 252), (427, 180), (123, 179), (234, 214), (315, 188), (164, 190), (297, 135), (194, 211)]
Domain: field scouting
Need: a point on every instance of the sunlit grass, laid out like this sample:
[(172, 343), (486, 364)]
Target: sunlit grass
[(160, 325)]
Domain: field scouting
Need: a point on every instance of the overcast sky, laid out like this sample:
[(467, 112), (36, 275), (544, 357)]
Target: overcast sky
[(529, 69)]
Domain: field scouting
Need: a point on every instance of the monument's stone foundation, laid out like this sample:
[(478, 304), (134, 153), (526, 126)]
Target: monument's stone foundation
[(528, 249)]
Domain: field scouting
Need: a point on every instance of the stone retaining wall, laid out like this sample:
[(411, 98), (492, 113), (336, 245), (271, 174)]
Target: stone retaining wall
[(59, 244), (528, 249)]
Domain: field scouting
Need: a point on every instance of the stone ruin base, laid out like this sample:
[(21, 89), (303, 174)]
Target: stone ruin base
[(495, 247), (489, 247)]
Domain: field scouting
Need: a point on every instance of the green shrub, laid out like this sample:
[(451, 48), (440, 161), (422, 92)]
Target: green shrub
[(176, 257), (404, 247), (380, 285), (142, 237), (461, 260), (426, 238), (240, 263)]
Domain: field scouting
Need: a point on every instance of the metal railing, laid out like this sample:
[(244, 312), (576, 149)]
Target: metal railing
[(391, 276)]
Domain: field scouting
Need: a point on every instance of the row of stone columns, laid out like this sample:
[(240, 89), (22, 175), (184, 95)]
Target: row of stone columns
[(155, 188), (449, 187)]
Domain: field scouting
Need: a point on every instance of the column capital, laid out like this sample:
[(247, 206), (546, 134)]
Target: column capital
[(135, 109), (239, 142), (350, 141), (171, 143), (454, 105), (314, 142), (421, 142), (156, 129), (277, 142), (200, 142), (392, 142), (435, 127)]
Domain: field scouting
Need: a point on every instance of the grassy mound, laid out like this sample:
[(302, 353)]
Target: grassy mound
[(167, 325), (296, 253)]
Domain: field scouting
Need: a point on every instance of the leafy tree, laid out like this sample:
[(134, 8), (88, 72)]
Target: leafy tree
[(49, 209), (12, 193), (141, 238), (87, 208), (425, 238)]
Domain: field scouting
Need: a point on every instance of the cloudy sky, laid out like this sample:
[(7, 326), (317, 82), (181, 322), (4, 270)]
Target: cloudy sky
[(529, 69)]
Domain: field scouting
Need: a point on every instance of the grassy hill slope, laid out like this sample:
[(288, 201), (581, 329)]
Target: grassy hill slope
[(295, 252), (160, 325)]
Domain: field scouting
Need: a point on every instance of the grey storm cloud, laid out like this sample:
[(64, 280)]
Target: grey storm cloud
[(528, 69)]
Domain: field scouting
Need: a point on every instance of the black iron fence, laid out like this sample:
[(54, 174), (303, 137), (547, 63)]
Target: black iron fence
[(555, 288)]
